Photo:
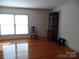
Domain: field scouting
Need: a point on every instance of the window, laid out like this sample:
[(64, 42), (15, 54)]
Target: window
[(7, 24), (21, 22), (13, 24)]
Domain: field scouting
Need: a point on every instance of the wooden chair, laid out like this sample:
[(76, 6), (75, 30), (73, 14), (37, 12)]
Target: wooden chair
[(34, 33)]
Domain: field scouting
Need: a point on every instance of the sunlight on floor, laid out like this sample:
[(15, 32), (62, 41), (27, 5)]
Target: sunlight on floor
[(15, 51)]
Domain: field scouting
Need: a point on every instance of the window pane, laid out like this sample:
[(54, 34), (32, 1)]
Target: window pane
[(21, 22), (21, 19), (21, 29), (6, 19), (7, 29), (7, 24)]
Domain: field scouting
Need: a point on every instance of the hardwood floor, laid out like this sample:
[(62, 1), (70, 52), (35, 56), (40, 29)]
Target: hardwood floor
[(34, 49)]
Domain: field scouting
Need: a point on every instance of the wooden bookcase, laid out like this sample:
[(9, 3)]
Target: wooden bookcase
[(52, 33)]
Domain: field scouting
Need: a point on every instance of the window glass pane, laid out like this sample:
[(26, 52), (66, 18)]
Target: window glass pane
[(21, 29), (21, 19), (7, 24), (6, 19), (7, 29), (21, 22)]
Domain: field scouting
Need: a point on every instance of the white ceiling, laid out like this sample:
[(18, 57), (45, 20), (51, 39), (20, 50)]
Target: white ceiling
[(40, 4)]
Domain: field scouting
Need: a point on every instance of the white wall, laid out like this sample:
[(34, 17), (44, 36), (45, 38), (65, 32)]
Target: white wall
[(69, 24), (38, 18)]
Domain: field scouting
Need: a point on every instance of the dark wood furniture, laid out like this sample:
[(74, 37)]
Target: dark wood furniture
[(52, 32), (34, 33), (62, 42)]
